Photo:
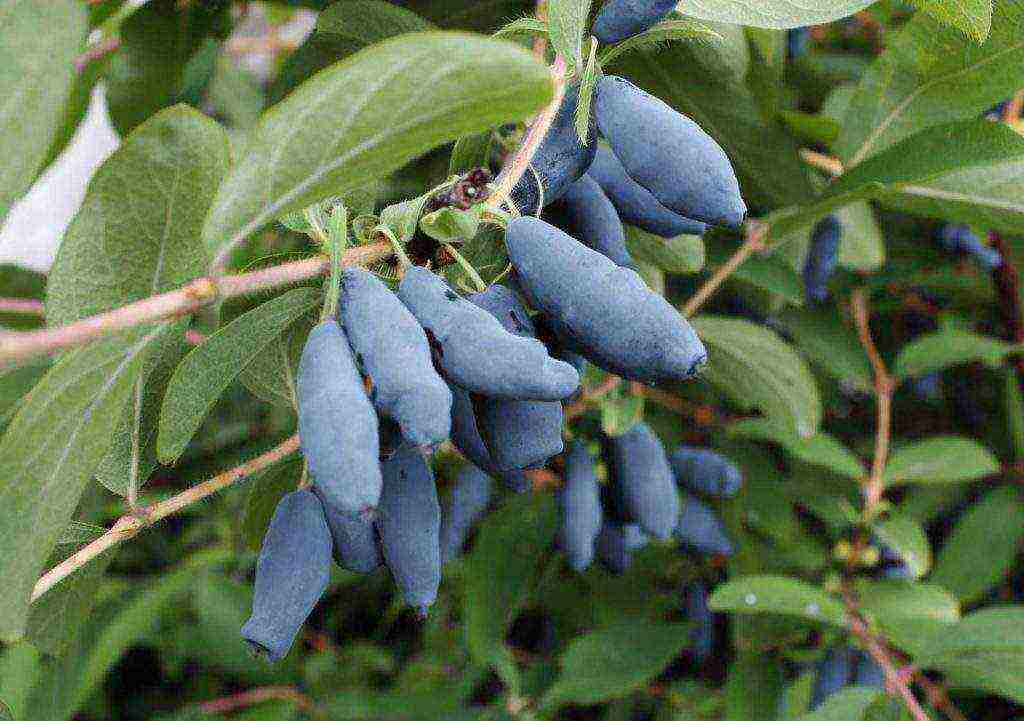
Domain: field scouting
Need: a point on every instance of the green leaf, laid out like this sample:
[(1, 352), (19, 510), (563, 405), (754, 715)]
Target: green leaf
[(210, 368), (265, 491), (342, 29), (567, 22), (775, 13), (931, 74), (451, 224), (20, 668), (777, 595), (39, 40), (811, 128), (982, 547), (368, 115), (820, 449), (757, 369), (48, 454), (848, 704), (523, 26), (667, 31), (769, 272), (137, 231), (613, 662), (589, 76), (271, 375), (502, 568), (471, 152), (971, 17), (829, 343), (890, 601), (949, 347), (694, 82), (942, 459), (985, 651), (863, 247), (753, 688), (15, 385), (682, 254), (905, 537)]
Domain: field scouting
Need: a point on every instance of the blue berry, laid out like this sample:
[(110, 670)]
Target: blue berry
[(622, 19), (355, 542), (580, 502), (959, 238), (642, 482), (702, 637), (585, 213), (833, 674), (467, 504), (701, 530), (822, 258), (704, 471)]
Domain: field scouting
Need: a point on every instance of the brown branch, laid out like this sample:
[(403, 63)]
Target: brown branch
[(22, 306), (831, 165), (20, 346), (129, 525), (896, 684), (579, 407), (1012, 111), (540, 43), (756, 232), (227, 704), (520, 162), (95, 52)]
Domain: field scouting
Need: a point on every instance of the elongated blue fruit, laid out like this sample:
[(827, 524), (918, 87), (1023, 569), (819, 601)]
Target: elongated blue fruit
[(409, 524), (475, 352), (580, 503), (634, 203), (622, 19), (702, 637), (466, 505), (292, 573), (704, 471), (337, 424), (561, 159), (701, 530), (518, 434), (608, 313), (822, 258), (585, 213), (355, 542), (642, 479), (616, 543), (798, 42), (833, 674), (959, 238), (869, 673), (392, 349), (466, 438), (668, 154)]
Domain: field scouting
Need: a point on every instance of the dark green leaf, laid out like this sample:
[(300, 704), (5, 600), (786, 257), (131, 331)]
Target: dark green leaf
[(777, 595), (683, 254), (820, 449), (949, 347), (848, 704), (905, 537), (942, 459)]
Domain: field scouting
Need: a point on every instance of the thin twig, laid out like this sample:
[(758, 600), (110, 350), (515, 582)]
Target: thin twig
[(22, 306), (579, 407), (755, 235), (540, 43), (874, 487), (831, 165), (245, 699), (20, 346), (877, 650), (131, 524), (517, 166), (95, 52)]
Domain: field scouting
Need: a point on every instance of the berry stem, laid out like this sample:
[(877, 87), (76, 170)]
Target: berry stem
[(245, 699), (19, 346), (130, 524)]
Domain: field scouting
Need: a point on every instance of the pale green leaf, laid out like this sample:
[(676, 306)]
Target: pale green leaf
[(848, 704), (949, 347), (567, 22), (820, 449), (48, 454), (757, 369), (774, 13), (941, 459), (39, 40), (971, 17), (667, 31), (905, 537), (682, 254), (271, 375), (368, 115), (830, 344), (209, 368)]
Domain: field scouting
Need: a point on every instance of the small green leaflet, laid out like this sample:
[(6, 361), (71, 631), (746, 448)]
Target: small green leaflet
[(777, 595), (949, 347), (942, 459), (567, 20)]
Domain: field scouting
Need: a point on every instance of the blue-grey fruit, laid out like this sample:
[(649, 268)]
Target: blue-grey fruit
[(634, 203), (622, 19), (580, 503), (518, 434), (702, 636), (607, 313), (704, 471), (833, 674), (585, 213), (393, 351), (475, 352), (701, 530), (562, 158), (465, 433), (409, 525), (337, 424), (959, 238), (467, 504), (292, 573), (822, 258), (869, 673), (798, 42), (668, 154), (616, 543), (355, 542), (642, 479)]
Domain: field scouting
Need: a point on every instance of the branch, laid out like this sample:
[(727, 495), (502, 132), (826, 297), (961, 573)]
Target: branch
[(540, 43), (21, 306), (129, 525), (515, 168), (756, 232), (884, 386), (20, 346), (227, 704), (96, 51), (895, 682), (832, 166)]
